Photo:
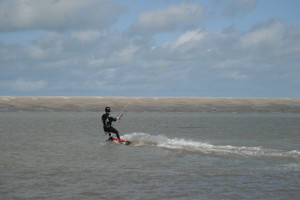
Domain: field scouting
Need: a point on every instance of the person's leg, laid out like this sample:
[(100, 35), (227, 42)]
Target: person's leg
[(115, 131), (107, 131), (110, 137)]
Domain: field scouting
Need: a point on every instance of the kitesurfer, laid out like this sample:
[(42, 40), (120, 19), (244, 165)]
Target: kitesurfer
[(107, 120)]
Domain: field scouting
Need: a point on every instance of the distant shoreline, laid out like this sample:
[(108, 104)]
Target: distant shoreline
[(150, 104)]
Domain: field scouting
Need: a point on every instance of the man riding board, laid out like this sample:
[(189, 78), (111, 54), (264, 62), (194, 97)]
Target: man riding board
[(107, 120)]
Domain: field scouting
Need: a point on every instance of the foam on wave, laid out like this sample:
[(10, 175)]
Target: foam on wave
[(141, 139)]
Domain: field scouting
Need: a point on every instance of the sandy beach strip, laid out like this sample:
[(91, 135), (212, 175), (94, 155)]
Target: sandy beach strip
[(150, 104)]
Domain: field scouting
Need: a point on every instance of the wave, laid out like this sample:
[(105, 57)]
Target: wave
[(142, 139)]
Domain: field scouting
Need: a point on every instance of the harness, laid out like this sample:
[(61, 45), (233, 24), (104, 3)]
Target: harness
[(106, 120)]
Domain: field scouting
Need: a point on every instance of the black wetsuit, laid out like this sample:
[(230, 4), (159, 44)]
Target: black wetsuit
[(107, 120)]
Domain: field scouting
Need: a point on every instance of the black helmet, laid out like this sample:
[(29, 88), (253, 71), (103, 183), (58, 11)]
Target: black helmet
[(107, 109)]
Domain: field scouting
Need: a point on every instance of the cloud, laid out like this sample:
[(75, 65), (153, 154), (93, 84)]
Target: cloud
[(57, 14), (234, 75), (264, 34), (240, 7), (189, 36), (87, 35), (199, 62), (169, 19), (23, 85), (263, 57)]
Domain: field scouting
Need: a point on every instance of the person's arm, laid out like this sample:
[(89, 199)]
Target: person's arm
[(112, 118)]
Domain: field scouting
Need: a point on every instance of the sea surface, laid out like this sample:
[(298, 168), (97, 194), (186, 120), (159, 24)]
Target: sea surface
[(64, 155)]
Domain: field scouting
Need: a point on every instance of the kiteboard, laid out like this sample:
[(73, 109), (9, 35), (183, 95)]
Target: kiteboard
[(117, 141)]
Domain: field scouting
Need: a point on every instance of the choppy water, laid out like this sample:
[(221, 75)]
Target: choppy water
[(63, 155)]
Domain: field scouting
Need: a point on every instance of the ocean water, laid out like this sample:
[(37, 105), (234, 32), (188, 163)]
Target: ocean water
[(63, 155)]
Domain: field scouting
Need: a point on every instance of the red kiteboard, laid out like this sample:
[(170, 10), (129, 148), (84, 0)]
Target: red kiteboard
[(117, 141)]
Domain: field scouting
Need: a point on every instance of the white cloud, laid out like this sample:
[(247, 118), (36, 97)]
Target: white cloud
[(268, 34), (23, 85), (260, 58), (189, 36), (89, 62), (234, 75), (126, 54), (37, 52), (169, 19), (56, 14), (87, 35), (240, 7)]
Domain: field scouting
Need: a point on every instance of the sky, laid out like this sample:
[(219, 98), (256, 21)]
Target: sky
[(172, 48)]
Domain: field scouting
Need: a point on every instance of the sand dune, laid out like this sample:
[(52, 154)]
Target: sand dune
[(157, 104)]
